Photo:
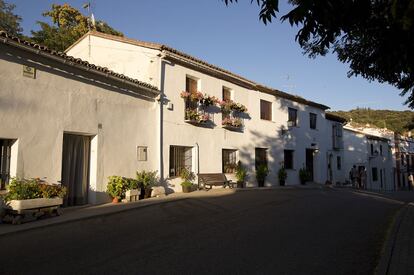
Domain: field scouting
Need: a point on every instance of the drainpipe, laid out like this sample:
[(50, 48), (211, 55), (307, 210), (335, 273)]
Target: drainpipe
[(161, 114), (198, 164)]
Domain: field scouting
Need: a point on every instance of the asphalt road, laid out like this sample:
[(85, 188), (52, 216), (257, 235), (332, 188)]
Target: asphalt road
[(299, 231)]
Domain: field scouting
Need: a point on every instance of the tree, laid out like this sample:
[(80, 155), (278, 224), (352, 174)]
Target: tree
[(375, 37), (9, 21), (69, 24)]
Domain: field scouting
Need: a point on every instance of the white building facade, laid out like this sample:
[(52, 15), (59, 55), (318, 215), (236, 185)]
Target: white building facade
[(279, 129)]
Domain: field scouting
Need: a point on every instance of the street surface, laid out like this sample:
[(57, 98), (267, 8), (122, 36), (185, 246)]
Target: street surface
[(276, 231)]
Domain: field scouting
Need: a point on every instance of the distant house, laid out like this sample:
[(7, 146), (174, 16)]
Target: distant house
[(372, 154)]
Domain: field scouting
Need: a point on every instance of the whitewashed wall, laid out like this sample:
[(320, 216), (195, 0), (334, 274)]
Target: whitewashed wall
[(38, 111), (144, 64)]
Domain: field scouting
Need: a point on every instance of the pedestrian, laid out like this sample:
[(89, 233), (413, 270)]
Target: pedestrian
[(354, 176), (411, 182), (363, 176)]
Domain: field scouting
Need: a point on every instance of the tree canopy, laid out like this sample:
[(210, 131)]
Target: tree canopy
[(9, 21), (69, 24), (375, 37), (397, 121)]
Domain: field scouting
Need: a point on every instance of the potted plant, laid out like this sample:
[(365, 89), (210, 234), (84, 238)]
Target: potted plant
[(261, 173), (282, 175), (146, 179), (115, 188), (303, 175), (32, 193), (241, 174), (187, 177)]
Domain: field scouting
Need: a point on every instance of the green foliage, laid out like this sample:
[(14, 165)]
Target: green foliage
[(9, 21), (282, 174), (186, 175), (69, 24), (186, 184), (24, 189), (373, 37), (397, 121), (241, 172), (303, 175), (261, 172), (147, 179), (116, 187)]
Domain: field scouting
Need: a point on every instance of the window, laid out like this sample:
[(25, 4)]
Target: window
[(338, 163), (381, 150), (142, 153), (260, 157), (191, 86), (374, 174), (265, 110), (312, 120), (288, 159), (372, 149), (292, 117), (226, 94), (229, 161), (180, 158), (5, 155)]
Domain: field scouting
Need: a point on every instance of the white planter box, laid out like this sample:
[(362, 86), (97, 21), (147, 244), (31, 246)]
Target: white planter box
[(133, 192), (19, 205)]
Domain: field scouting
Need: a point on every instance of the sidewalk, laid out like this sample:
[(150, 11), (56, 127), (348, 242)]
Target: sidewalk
[(402, 256), (398, 254)]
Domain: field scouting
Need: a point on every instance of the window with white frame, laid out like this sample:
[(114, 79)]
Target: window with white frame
[(312, 120), (292, 117), (260, 157), (229, 160), (180, 158)]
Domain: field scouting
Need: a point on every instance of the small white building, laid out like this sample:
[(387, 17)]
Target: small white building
[(372, 156), (68, 120)]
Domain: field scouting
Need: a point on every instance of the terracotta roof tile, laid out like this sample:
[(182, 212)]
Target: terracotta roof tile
[(77, 61)]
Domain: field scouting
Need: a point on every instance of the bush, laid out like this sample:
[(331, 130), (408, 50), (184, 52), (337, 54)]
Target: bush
[(147, 179), (241, 172), (116, 187), (282, 174), (186, 184), (25, 189)]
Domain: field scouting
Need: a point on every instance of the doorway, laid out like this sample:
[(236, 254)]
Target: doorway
[(5, 156), (309, 163), (75, 168)]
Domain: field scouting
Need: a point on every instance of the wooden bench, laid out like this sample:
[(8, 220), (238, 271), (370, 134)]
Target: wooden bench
[(216, 179)]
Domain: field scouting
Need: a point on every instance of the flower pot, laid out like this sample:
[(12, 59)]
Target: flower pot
[(186, 189), (115, 200), (148, 192), (240, 184)]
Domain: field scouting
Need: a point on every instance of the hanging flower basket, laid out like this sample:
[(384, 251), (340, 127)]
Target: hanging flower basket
[(193, 116), (232, 123)]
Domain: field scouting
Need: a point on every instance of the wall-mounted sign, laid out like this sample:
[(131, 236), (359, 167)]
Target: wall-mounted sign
[(29, 71)]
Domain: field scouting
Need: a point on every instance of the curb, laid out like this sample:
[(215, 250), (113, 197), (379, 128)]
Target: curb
[(390, 240)]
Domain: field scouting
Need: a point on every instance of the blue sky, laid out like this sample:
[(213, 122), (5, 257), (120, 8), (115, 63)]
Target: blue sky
[(233, 38)]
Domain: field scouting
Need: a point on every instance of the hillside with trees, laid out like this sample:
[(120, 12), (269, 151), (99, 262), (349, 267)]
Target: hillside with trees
[(398, 121)]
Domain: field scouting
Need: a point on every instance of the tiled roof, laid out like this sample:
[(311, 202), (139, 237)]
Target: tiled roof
[(4, 36), (161, 47), (333, 117)]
